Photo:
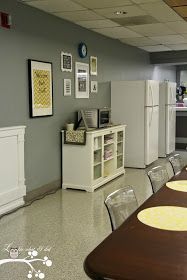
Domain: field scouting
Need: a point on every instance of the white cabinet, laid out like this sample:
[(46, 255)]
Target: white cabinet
[(12, 179), (89, 166)]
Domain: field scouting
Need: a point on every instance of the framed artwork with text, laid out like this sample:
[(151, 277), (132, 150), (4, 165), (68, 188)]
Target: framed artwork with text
[(40, 88)]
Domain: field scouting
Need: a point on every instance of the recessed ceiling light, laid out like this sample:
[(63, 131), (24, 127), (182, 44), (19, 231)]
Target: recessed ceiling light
[(118, 13)]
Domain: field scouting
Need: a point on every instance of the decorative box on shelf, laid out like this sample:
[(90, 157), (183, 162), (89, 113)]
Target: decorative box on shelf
[(75, 137), (90, 166)]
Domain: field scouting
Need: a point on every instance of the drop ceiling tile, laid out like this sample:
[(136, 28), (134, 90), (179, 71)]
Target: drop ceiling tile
[(25, 0), (184, 35), (94, 4), (155, 29), (158, 48), (28, 0), (178, 26), (161, 11), (97, 23), (56, 5), (117, 32), (145, 1), (139, 42), (132, 10), (182, 10), (178, 47), (169, 39), (79, 15)]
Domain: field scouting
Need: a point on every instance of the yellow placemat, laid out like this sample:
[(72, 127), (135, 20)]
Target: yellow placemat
[(165, 217), (178, 185)]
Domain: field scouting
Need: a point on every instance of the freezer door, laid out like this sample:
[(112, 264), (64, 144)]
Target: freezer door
[(171, 93), (151, 134), (152, 93), (170, 128)]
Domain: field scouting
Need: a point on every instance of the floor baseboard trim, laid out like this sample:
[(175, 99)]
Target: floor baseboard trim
[(36, 193)]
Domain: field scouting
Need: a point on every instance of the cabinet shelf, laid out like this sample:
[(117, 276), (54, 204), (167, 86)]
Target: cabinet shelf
[(109, 143), (97, 149), (120, 142), (105, 160), (119, 155), (97, 163)]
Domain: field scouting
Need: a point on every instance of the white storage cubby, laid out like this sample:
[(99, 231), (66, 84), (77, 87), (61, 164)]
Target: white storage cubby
[(89, 166)]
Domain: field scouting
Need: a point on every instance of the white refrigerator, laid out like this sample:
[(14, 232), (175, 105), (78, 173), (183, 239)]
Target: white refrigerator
[(167, 118), (136, 104)]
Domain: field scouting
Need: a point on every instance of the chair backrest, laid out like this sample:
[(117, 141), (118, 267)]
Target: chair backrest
[(158, 177), (176, 163), (120, 205)]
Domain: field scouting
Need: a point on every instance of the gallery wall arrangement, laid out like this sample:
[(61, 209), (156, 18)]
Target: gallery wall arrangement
[(83, 71), (41, 81)]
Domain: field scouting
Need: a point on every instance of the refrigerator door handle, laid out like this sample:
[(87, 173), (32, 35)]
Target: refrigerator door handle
[(151, 117), (152, 105), (151, 90), (171, 96)]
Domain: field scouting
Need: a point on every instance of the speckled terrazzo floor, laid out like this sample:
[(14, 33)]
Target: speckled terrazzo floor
[(65, 227)]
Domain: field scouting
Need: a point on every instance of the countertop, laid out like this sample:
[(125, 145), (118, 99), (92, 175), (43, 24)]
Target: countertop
[(93, 130), (181, 109)]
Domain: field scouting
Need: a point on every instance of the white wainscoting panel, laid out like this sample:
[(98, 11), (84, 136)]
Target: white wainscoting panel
[(12, 178)]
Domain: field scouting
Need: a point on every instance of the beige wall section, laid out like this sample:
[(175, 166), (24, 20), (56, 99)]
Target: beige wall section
[(40, 36)]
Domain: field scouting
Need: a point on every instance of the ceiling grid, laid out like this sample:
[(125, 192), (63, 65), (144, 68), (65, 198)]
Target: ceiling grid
[(152, 25)]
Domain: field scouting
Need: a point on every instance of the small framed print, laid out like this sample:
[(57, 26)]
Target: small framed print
[(66, 62), (67, 87), (93, 65), (94, 86)]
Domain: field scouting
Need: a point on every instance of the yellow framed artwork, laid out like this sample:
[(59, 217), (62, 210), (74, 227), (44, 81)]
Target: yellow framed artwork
[(40, 88)]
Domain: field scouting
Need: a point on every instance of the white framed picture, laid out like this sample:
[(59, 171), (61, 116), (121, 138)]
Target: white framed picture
[(81, 80), (94, 86), (66, 62), (93, 65), (67, 87)]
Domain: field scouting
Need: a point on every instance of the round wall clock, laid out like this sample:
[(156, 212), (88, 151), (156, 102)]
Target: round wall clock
[(82, 49)]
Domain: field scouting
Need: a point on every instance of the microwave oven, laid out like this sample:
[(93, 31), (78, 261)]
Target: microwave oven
[(96, 118)]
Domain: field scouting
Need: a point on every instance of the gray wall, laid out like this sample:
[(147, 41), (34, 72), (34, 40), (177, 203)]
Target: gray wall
[(39, 36), (164, 72), (181, 73)]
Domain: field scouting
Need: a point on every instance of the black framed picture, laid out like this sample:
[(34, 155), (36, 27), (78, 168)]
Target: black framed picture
[(66, 62), (40, 88)]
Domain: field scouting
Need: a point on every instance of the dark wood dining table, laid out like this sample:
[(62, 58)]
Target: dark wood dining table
[(136, 251)]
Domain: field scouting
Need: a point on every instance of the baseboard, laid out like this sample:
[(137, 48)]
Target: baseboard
[(11, 206), (181, 146), (36, 193)]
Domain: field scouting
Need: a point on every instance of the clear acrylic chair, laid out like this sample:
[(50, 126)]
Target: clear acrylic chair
[(176, 163), (120, 205), (158, 177)]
